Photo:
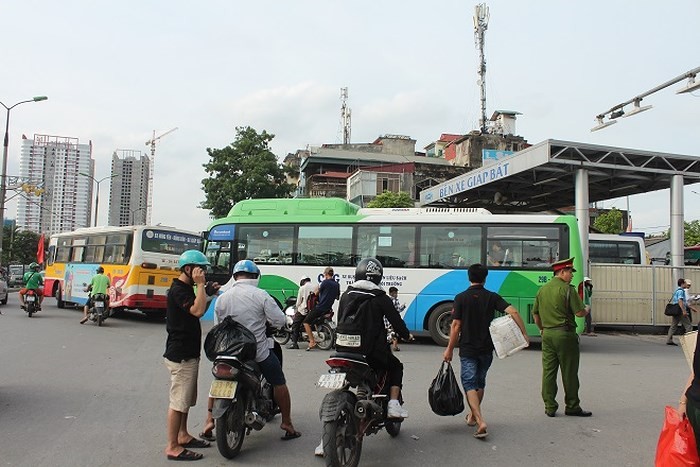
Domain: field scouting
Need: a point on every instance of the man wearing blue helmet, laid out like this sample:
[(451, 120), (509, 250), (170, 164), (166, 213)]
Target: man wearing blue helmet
[(254, 308), (182, 350)]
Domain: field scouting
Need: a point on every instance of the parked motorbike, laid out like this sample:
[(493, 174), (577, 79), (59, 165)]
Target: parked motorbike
[(323, 328), (31, 303), (347, 415), (242, 402), (99, 311)]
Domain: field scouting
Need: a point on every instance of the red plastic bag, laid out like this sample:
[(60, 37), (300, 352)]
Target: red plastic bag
[(676, 446)]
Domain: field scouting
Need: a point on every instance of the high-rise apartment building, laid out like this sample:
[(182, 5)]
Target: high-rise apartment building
[(128, 190), (54, 163)]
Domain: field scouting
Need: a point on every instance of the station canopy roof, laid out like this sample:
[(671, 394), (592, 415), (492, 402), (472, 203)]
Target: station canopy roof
[(542, 177)]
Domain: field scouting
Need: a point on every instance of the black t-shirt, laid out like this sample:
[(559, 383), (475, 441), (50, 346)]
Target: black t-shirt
[(184, 331), (476, 307)]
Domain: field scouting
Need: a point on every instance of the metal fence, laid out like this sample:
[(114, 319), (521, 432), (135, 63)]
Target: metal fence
[(630, 294)]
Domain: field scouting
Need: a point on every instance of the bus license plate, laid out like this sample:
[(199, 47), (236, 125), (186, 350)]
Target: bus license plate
[(331, 381), (99, 303), (223, 389)]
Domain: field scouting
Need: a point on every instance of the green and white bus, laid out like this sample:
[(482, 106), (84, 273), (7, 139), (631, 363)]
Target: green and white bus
[(425, 251)]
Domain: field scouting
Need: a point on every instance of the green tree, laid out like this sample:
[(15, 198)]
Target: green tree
[(244, 169), (390, 199), (609, 222), (692, 233), (18, 246)]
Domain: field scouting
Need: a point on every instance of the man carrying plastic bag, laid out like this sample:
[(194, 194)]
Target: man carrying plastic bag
[(476, 307)]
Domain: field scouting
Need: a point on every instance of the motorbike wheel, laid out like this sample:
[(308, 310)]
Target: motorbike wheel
[(99, 319), (341, 446), (230, 429), (393, 428), (282, 336), (30, 310), (325, 334)]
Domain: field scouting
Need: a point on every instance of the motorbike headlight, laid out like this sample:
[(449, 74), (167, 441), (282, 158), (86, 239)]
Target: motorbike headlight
[(224, 371)]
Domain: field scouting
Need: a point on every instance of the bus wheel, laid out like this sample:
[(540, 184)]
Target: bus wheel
[(439, 324), (59, 298)]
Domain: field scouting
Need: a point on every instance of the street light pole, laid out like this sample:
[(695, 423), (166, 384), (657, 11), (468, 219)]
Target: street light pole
[(3, 174), (97, 193)]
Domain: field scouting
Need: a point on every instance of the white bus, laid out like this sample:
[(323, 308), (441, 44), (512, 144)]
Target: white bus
[(617, 249)]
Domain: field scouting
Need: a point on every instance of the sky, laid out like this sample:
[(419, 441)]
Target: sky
[(116, 71)]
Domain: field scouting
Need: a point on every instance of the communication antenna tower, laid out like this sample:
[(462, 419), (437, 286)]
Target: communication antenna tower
[(345, 115), (481, 23)]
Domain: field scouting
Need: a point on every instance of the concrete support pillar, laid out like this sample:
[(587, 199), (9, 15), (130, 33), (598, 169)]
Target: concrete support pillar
[(582, 214), (677, 227)]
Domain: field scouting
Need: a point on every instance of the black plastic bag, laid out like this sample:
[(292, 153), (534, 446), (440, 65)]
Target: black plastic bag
[(232, 339), (444, 394)]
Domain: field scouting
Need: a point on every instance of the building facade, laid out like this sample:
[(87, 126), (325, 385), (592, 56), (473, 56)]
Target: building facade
[(128, 190), (64, 201)]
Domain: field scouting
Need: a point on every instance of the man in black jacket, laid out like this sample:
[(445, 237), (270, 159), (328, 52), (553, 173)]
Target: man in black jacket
[(361, 314)]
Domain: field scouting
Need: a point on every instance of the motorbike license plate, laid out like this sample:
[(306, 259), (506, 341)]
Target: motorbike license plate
[(30, 298), (331, 381), (223, 389), (99, 303)]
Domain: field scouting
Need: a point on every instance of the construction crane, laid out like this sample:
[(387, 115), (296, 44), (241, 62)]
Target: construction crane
[(152, 166)]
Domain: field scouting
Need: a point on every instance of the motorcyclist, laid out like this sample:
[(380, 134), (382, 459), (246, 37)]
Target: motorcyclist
[(254, 308), (32, 281), (361, 313), (98, 285)]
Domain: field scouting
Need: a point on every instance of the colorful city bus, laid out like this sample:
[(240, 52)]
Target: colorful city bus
[(425, 251), (140, 262)]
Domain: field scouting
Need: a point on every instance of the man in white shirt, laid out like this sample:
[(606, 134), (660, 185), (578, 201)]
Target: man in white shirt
[(254, 308), (306, 288)]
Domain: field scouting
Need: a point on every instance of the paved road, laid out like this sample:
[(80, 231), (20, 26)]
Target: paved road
[(73, 395)]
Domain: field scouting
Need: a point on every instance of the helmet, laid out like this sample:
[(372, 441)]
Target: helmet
[(100, 270), (369, 269), (245, 265), (34, 266), (303, 279), (192, 257)]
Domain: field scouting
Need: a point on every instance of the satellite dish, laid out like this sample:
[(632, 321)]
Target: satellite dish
[(498, 198)]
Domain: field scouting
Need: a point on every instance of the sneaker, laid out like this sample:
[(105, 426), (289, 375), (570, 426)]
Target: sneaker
[(394, 410), (319, 450), (293, 345)]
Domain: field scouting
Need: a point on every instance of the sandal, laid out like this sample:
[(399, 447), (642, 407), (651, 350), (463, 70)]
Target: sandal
[(209, 437), (196, 443), (186, 455), (312, 347), (290, 435)]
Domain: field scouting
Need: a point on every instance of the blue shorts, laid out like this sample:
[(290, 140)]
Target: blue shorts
[(272, 370), (474, 371)]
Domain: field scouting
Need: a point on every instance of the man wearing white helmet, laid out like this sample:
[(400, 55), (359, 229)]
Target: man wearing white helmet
[(254, 308)]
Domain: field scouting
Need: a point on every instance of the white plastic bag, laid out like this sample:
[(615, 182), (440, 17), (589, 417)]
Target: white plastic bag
[(506, 336)]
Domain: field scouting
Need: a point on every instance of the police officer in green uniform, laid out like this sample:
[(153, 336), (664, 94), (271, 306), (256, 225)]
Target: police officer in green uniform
[(555, 306)]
